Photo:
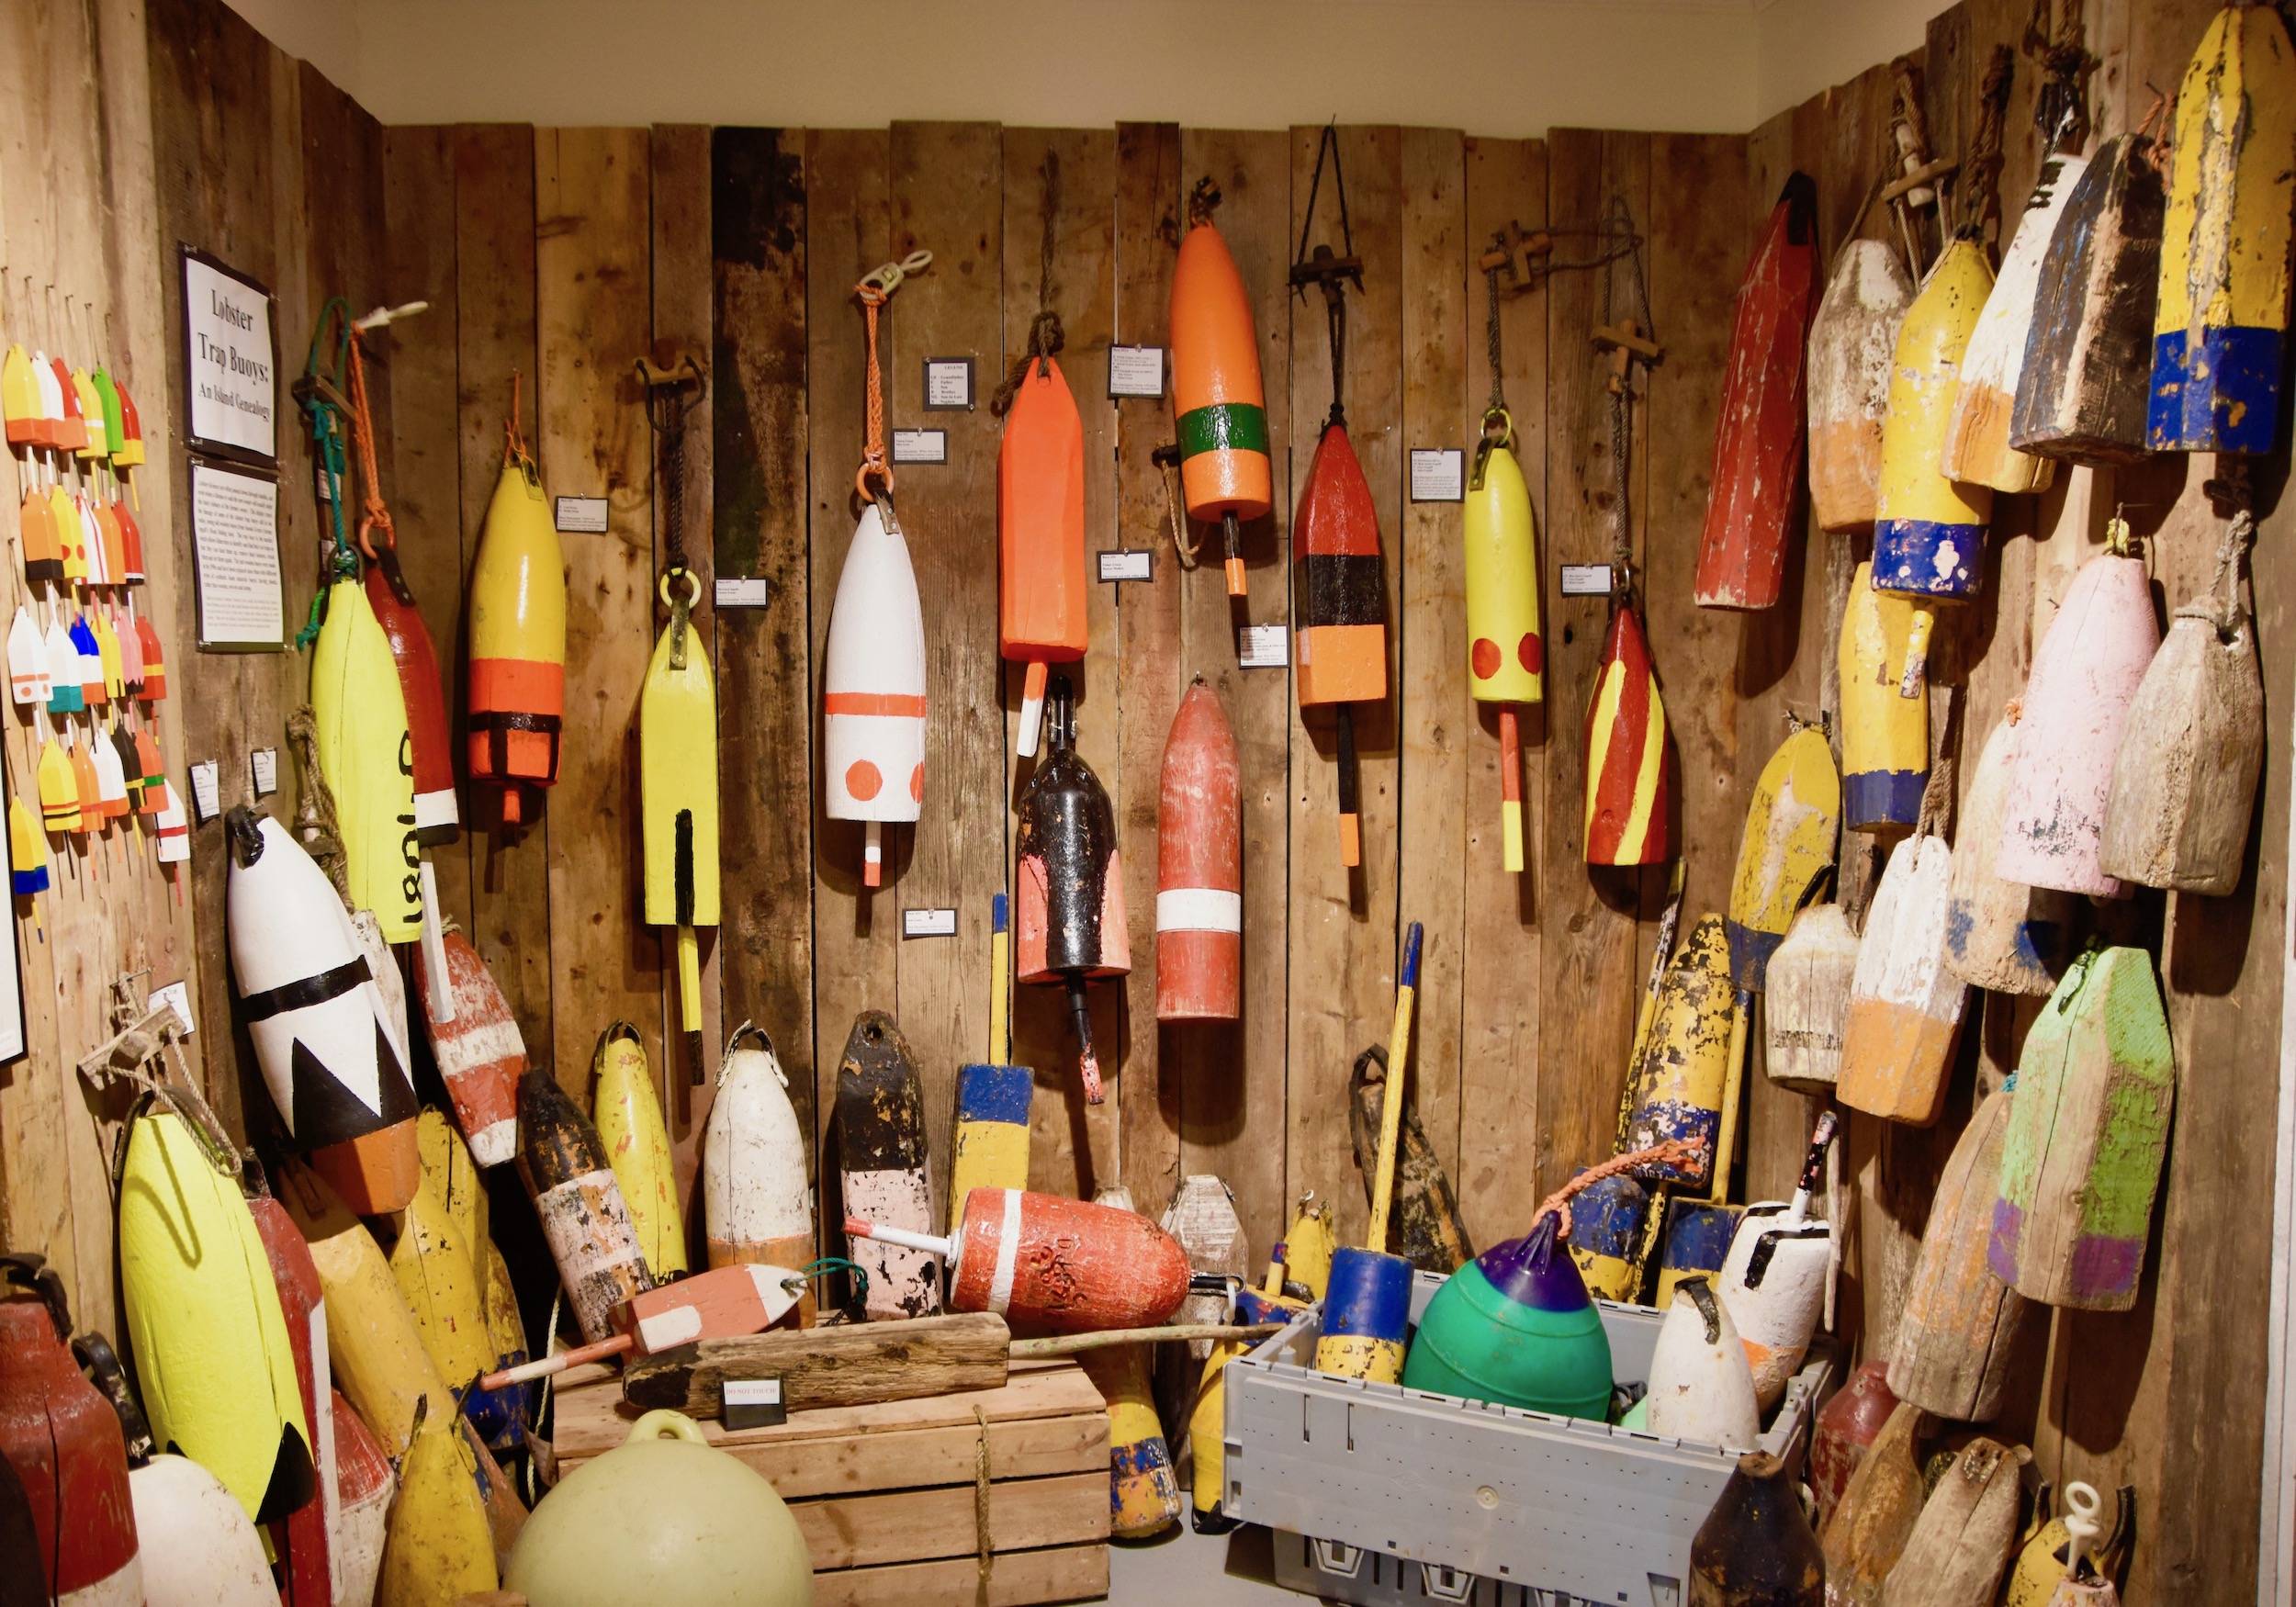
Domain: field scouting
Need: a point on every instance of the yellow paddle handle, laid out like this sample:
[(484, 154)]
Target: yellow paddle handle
[(1726, 1138), (1391, 1106), (1000, 999)]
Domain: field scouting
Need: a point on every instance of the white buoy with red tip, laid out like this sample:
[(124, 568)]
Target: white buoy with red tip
[(872, 688), (1046, 1263)]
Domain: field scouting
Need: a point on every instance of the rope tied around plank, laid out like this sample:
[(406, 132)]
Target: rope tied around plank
[(875, 290), (1981, 168), (1166, 457), (327, 412), (1936, 794), (1624, 354), (1046, 337), (2061, 109), (2220, 605)]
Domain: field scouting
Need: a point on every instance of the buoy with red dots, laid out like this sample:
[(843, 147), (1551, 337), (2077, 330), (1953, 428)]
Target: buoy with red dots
[(1505, 656), (872, 688)]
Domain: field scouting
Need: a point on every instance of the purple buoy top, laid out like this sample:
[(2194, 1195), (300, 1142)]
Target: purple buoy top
[(1531, 1271)]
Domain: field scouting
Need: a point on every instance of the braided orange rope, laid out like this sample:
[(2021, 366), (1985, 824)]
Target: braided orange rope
[(1671, 1152), (874, 291), (363, 432)]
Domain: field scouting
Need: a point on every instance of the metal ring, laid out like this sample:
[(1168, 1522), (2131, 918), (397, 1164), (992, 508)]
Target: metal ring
[(693, 596)]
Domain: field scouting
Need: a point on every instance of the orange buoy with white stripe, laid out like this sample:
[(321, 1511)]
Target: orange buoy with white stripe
[(1219, 405), (1042, 588), (1200, 866)]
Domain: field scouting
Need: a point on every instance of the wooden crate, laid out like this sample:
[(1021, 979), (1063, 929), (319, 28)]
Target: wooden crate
[(885, 1494)]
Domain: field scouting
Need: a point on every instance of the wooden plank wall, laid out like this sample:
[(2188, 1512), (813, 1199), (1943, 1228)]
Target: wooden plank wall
[(559, 255)]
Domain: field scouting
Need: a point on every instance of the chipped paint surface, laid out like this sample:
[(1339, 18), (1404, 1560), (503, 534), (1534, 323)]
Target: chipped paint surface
[(882, 1146), (1958, 1323), (1678, 1086), (1905, 1005)]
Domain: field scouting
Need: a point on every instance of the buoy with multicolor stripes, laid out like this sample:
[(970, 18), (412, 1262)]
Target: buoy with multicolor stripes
[(991, 1146), (1629, 762), (64, 1443), (1218, 406), (1506, 657), (881, 1149), (1339, 608), (1070, 881), (1928, 530), (479, 1052), (1755, 486), (320, 1025), (1885, 737), (2220, 332), (366, 755), (757, 1197), (872, 689), (1200, 866), (578, 1203), (517, 695), (1051, 1264), (1041, 592)]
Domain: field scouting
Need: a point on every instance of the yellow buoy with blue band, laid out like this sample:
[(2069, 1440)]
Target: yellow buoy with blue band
[(369, 761), (1308, 1246), (630, 1125), (2219, 328), (1609, 1223), (1885, 737), (1505, 654), (676, 745), (1929, 531), (993, 1098)]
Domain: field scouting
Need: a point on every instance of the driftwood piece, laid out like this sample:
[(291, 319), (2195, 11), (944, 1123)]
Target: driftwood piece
[(1869, 1530), (1805, 1010), (1959, 1322), (1425, 1227), (848, 1364), (1963, 1539)]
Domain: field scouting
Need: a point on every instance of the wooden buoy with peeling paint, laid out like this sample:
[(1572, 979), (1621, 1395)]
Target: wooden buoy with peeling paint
[(479, 1052), (2001, 935), (2087, 1137), (1976, 446), (1677, 1089), (1423, 1222), (2184, 781), (1755, 485), (1200, 866), (1884, 736), (1610, 1223), (630, 1125), (1966, 1530), (2082, 393), (1852, 341), (302, 1300), (1806, 1011), (1869, 1529), (1755, 1549), (756, 1193), (2076, 708), (1958, 1323), (1070, 881), (1629, 762), (881, 1144), (1775, 1278), (584, 1219), (1905, 1005), (365, 1487), (1844, 1431)]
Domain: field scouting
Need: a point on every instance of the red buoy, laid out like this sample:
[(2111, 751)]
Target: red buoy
[(1200, 866), (437, 818), (1041, 589), (304, 1303), (1048, 1263)]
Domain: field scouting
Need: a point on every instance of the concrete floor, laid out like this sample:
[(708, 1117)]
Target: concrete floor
[(1183, 1568)]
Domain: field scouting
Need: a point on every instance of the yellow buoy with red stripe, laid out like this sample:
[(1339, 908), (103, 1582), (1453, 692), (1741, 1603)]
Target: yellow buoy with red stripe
[(1219, 405), (1506, 657), (517, 635)]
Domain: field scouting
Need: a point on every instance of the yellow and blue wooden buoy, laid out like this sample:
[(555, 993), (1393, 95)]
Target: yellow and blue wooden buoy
[(991, 1148), (2221, 327), (1698, 1235), (1677, 1088), (1885, 737), (1608, 1226)]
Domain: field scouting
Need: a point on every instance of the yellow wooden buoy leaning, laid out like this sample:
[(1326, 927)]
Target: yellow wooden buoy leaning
[(1885, 737), (637, 1146), (439, 1280), (438, 1547)]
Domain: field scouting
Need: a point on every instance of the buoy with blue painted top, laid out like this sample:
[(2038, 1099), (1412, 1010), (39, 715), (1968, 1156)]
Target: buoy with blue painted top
[(1608, 1224), (1696, 1243)]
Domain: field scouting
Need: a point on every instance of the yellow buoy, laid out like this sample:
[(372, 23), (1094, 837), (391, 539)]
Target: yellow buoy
[(438, 1547), (369, 761), (677, 749), (637, 1146), (1308, 1246), (1885, 737), (439, 1280), (1505, 654), (451, 1173)]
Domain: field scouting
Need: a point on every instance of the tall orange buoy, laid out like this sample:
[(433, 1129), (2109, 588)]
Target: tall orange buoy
[(1040, 586), (517, 632), (1220, 408), (1200, 866)]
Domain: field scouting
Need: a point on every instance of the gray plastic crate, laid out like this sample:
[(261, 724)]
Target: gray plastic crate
[(1494, 1505)]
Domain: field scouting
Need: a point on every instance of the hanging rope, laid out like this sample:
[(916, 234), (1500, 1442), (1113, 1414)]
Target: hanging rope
[(875, 290), (1498, 427), (1621, 398), (1981, 168), (2221, 605), (315, 823), (1167, 458), (374, 515), (327, 411), (2061, 109), (1330, 274), (1045, 335), (1937, 796), (1677, 1153)]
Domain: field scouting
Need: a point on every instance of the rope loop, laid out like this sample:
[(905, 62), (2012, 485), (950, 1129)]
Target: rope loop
[(876, 288)]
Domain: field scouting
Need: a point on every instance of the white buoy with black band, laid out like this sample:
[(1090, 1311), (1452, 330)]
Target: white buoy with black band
[(1774, 1280)]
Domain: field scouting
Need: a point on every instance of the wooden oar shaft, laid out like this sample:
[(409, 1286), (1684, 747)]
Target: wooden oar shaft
[(1726, 1137), (1069, 1344), (575, 1357), (1391, 1107)]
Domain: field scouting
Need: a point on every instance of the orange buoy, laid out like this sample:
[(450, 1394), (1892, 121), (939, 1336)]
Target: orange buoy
[(479, 1052), (1340, 601), (1218, 406), (517, 634), (1200, 866), (1042, 590)]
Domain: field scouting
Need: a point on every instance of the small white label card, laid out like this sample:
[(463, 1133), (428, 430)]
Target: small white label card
[(741, 591), (929, 923), (235, 549), (1126, 563), (1439, 474), (1263, 647), (177, 996), (206, 791), (1586, 579), (582, 515), (754, 1403), (262, 771), (1135, 371), (920, 446), (948, 384)]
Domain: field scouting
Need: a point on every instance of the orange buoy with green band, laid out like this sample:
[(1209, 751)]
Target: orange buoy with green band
[(1218, 403), (517, 635)]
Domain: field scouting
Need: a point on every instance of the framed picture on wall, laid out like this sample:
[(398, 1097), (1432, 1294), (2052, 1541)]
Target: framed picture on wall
[(230, 364)]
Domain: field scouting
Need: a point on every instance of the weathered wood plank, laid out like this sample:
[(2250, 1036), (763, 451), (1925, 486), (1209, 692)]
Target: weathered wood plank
[(1502, 1069), (856, 1531), (761, 433), (592, 317), (1056, 1573), (1345, 938)]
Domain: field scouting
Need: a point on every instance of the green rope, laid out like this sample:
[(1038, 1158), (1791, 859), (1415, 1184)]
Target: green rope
[(321, 393), (825, 1267)]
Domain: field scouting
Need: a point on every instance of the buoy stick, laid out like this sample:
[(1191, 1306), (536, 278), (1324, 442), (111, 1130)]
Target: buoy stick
[(1726, 1137), (1231, 536), (1916, 652), (1350, 792), (999, 982), (1391, 1106), (1087, 1062), (1069, 1344), (1511, 787), (1032, 710), (442, 999), (873, 853), (930, 1244), (525, 1372), (690, 998)]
